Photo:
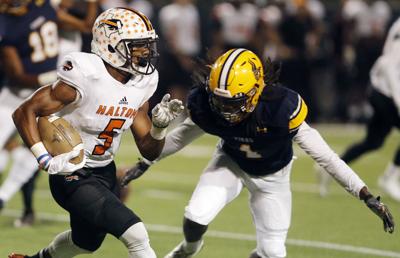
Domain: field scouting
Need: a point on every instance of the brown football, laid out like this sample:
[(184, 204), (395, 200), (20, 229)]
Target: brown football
[(58, 136)]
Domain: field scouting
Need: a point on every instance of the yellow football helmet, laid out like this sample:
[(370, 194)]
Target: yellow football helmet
[(235, 84)]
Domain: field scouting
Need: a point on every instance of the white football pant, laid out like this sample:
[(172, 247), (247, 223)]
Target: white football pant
[(270, 201), (24, 163)]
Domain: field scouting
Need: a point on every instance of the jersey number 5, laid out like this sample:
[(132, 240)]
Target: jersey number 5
[(44, 42), (108, 136)]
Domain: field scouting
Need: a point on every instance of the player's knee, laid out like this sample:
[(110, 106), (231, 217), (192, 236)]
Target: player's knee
[(90, 244), (136, 239), (272, 249)]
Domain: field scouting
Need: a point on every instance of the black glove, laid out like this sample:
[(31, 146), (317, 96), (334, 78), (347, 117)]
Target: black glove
[(134, 172), (380, 209)]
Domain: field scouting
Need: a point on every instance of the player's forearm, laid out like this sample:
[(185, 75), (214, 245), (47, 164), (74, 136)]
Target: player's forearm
[(181, 136), (25, 122), (314, 145), (149, 147)]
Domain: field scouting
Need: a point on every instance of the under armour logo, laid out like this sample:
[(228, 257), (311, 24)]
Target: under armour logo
[(123, 101)]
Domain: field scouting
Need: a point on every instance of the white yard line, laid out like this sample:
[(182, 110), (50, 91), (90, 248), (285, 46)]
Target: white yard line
[(231, 235)]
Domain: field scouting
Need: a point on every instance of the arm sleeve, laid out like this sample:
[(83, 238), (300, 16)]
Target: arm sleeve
[(314, 145), (181, 136)]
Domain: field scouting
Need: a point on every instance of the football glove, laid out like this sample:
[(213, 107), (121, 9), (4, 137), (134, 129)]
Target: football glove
[(166, 111), (135, 172), (380, 209), (60, 165)]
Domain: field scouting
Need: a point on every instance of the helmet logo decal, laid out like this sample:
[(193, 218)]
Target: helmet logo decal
[(111, 26), (256, 71)]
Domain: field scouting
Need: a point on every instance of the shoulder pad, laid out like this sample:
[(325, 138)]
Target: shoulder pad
[(76, 68)]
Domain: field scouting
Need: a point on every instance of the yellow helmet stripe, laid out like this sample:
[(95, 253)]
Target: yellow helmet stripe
[(226, 68)]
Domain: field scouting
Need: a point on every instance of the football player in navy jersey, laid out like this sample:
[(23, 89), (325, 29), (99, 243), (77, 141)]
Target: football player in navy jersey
[(29, 52), (257, 121)]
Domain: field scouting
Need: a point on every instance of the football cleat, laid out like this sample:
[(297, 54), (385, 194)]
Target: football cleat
[(179, 251), (1, 204), (26, 220), (13, 255), (390, 187)]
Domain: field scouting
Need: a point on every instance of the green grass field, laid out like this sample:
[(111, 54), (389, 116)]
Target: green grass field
[(338, 226)]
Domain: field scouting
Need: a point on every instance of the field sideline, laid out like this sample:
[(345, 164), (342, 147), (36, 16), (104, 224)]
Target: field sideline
[(335, 226)]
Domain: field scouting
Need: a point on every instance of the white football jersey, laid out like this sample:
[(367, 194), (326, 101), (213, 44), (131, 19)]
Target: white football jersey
[(106, 107)]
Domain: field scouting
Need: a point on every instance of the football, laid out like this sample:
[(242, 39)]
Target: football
[(58, 136)]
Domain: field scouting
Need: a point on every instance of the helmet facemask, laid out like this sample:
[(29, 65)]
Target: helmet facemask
[(141, 55), (233, 109)]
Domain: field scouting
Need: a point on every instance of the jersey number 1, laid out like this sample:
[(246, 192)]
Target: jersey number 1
[(108, 136)]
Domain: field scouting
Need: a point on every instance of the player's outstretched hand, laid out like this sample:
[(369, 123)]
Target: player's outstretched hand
[(166, 111), (380, 209), (135, 172)]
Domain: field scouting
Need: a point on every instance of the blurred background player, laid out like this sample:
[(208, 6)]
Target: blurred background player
[(180, 29), (384, 98), (144, 6), (29, 51), (257, 122), (233, 25), (75, 21)]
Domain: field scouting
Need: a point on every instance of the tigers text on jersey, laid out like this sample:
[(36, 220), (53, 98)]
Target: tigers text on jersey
[(34, 35), (106, 107), (262, 143)]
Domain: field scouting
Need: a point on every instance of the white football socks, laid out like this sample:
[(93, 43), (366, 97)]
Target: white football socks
[(63, 247), (137, 241), (392, 172)]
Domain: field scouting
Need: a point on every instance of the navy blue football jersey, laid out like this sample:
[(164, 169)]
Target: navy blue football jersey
[(34, 35), (262, 143)]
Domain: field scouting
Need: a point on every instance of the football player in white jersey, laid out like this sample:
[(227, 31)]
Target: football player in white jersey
[(101, 94), (384, 98)]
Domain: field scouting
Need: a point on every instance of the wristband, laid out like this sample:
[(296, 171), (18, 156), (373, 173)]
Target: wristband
[(47, 78), (41, 154), (147, 162), (158, 133)]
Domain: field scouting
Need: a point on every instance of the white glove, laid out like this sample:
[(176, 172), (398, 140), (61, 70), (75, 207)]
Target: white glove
[(60, 165), (166, 111)]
